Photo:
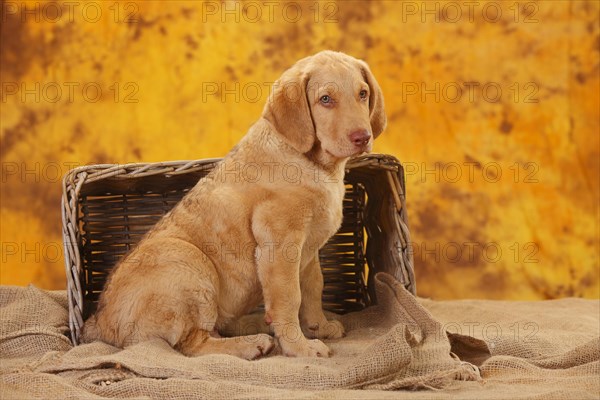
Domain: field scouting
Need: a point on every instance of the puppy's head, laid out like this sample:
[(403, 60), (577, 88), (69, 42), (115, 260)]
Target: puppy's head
[(328, 104)]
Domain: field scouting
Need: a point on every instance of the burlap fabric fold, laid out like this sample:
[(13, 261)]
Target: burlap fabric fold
[(395, 346)]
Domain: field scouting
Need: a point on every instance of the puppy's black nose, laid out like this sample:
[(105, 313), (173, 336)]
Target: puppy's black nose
[(360, 137)]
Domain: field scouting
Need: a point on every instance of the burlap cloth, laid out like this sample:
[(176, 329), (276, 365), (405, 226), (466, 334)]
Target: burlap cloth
[(404, 347)]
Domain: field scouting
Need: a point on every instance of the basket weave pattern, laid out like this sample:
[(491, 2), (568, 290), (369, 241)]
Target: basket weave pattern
[(107, 209)]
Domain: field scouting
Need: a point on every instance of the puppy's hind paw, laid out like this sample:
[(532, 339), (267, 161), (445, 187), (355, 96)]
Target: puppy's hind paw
[(263, 344)]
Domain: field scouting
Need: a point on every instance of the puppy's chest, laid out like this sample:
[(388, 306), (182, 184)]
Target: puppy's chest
[(326, 216)]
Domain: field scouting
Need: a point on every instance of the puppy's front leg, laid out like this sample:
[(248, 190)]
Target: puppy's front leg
[(278, 267), (313, 321)]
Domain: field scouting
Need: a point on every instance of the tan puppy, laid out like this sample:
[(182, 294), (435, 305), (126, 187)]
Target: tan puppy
[(250, 231)]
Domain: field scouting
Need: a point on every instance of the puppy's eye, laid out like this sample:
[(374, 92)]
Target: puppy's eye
[(325, 99), (363, 94)]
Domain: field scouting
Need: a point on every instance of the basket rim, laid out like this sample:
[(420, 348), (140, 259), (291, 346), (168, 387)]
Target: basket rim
[(95, 172)]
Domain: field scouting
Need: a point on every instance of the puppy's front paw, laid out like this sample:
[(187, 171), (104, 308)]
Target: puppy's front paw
[(305, 348), (328, 330)]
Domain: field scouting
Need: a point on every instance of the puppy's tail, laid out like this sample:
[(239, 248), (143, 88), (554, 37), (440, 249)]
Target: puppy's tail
[(90, 331)]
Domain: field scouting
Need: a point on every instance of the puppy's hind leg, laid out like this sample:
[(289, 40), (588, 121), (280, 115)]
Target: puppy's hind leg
[(250, 324), (200, 342), (186, 317)]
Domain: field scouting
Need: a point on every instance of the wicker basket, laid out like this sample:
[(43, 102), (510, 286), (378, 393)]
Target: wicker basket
[(106, 209)]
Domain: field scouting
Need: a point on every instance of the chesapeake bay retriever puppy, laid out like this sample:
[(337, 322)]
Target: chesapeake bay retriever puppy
[(250, 231)]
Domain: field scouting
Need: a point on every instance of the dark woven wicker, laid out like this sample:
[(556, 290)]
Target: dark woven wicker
[(106, 209)]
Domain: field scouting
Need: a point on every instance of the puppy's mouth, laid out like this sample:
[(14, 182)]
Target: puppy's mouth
[(351, 151), (356, 150), (365, 148)]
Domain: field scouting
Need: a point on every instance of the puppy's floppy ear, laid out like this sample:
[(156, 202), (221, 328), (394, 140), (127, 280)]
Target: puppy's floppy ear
[(376, 107), (288, 111)]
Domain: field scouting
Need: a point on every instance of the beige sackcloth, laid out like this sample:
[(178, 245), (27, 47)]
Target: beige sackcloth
[(404, 347)]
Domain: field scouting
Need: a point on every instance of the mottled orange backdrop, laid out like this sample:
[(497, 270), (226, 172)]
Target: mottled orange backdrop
[(493, 107)]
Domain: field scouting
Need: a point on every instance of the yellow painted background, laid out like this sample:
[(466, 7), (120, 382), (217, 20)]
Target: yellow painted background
[(502, 186)]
